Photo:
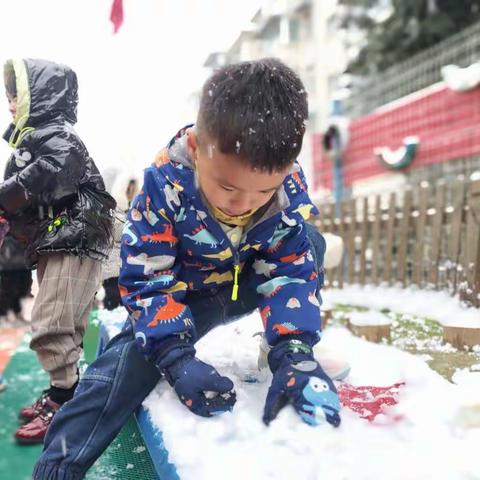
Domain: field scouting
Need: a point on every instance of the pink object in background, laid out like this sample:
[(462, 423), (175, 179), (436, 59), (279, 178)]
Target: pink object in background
[(4, 228), (116, 15)]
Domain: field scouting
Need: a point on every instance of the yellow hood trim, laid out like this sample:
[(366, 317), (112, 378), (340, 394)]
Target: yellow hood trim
[(23, 91)]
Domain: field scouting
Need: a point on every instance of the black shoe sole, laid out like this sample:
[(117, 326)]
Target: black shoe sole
[(27, 441)]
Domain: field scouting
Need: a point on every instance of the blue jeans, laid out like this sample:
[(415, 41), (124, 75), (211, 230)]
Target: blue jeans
[(118, 381)]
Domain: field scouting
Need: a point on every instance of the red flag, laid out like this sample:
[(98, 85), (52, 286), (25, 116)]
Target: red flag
[(116, 15)]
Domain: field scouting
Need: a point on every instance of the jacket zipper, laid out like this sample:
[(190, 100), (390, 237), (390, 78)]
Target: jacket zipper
[(236, 270)]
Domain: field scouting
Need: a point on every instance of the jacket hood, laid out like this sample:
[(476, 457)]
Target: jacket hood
[(45, 90)]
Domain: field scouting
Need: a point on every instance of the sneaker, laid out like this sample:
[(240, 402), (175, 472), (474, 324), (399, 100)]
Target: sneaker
[(35, 430), (29, 413)]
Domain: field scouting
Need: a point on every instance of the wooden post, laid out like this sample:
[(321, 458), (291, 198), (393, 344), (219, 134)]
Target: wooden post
[(351, 241), (332, 273), (470, 292), (436, 238), (387, 269), (364, 241), (326, 316), (376, 240), (458, 206), (418, 260), (403, 238), (341, 232), (461, 337), (372, 333)]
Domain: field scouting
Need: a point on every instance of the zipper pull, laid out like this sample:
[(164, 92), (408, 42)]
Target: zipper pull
[(236, 269)]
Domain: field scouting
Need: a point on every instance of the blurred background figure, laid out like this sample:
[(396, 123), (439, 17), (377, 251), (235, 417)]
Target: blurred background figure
[(15, 278), (124, 188)]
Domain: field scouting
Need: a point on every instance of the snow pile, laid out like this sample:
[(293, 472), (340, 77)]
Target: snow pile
[(438, 306), (432, 441), (364, 319), (112, 320)]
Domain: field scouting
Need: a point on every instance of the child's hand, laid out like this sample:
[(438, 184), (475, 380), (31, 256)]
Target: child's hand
[(200, 387), (299, 379)]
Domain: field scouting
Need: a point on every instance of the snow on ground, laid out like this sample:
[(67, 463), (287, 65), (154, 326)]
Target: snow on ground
[(438, 306), (362, 319), (435, 439), (438, 436)]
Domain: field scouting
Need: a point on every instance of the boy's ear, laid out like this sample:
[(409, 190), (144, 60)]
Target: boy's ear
[(192, 144)]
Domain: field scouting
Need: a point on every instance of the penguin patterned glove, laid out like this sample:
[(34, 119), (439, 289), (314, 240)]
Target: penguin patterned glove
[(298, 379)]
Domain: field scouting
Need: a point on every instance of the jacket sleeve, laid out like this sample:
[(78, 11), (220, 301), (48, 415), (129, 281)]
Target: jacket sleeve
[(12, 195), (56, 170), (288, 285), (148, 281)]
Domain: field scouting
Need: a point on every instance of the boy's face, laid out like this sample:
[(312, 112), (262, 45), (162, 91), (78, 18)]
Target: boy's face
[(12, 104), (229, 184)]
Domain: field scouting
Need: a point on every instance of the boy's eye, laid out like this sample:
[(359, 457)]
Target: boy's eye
[(228, 189)]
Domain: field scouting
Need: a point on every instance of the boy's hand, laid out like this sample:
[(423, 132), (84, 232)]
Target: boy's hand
[(200, 387), (299, 379)]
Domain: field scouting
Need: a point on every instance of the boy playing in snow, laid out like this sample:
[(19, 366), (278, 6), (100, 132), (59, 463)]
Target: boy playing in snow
[(55, 202), (217, 230)]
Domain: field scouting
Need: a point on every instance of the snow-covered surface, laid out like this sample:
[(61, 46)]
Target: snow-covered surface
[(438, 306), (362, 319), (113, 320), (437, 438)]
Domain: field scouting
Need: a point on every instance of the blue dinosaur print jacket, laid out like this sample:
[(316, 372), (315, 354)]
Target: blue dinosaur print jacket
[(172, 244)]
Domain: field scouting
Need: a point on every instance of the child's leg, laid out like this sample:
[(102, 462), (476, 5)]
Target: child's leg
[(113, 386), (20, 282), (67, 285), (84, 303), (25, 277), (217, 308)]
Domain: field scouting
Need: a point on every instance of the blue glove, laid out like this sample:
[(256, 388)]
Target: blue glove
[(191, 378), (298, 379)]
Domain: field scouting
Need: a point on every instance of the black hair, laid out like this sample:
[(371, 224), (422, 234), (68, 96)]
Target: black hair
[(256, 110), (10, 82)]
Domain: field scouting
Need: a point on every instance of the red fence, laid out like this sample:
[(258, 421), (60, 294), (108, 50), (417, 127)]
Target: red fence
[(447, 124)]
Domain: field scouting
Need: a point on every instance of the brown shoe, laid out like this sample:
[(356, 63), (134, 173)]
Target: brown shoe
[(29, 413), (35, 430)]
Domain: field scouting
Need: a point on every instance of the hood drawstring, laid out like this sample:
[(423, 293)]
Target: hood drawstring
[(19, 133)]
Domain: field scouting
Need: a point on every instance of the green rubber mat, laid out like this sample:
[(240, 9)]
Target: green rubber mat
[(126, 458), (25, 382)]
